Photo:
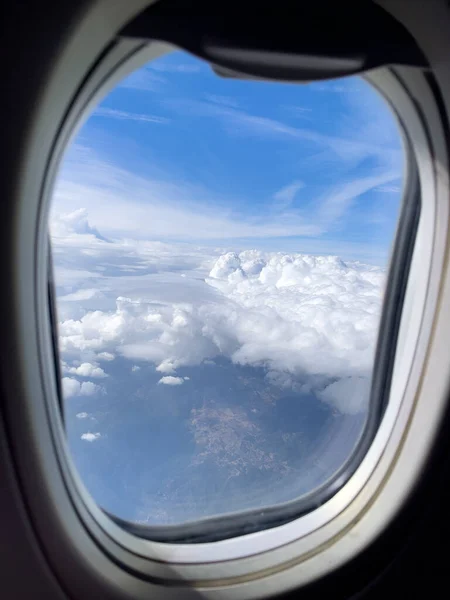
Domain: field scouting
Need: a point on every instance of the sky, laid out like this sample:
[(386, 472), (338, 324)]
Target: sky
[(220, 251), (311, 168)]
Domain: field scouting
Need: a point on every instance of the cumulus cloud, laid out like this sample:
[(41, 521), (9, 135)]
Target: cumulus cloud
[(88, 388), (170, 380), (90, 437), (135, 368), (75, 222), (82, 415), (167, 366), (304, 318), (87, 370), (72, 387)]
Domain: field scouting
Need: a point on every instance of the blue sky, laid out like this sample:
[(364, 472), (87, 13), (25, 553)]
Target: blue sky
[(313, 168)]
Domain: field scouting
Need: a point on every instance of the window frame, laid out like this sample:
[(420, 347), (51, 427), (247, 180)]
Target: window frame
[(220, 527), (93, 541), (299, 523)]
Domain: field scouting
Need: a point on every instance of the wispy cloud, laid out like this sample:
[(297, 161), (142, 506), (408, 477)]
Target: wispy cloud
[(352, 147), (334, 205), (129, 116), (145, 80), (285, 196), (222, 100), (162, 67), (389, 189), (337, 88), (128, 205), (298, 112)]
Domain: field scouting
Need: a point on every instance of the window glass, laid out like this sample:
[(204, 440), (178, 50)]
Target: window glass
[(220, 251)]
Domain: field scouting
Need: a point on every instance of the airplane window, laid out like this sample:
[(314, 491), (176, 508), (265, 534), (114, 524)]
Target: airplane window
[(220, 253)]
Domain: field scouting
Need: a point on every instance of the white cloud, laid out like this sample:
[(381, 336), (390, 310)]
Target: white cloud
[(167, 366), (107, 356), (164, 67), (129, 116), (82, 415), (159, 208), (144, 80), (83, 294), (285, 196), (369, 132), (332, 206), (75, 222), (389, 189), (135, 368), (300, 112), (222, 100), (87, 370), (349, 395), (90, 437), (70, 387), (169, 380), (88, 388), (302, 317)]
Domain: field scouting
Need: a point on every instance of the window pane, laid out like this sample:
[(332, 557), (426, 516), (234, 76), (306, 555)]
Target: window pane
[(220, 251)]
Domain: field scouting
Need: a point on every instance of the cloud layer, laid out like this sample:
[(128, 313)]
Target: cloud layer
[(310, 321)]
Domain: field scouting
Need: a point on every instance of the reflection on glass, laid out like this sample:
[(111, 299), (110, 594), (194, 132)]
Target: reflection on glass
[(220, 254)]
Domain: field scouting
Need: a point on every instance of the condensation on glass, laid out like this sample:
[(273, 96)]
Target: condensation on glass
[(220, 251)]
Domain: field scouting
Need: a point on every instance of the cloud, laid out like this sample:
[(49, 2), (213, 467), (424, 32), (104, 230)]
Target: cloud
[(91, 437), (129, 116), (361, 136), (389, 189), (72, 387), (309, 320), (164, 67), (88, 388), (87, 370), (135, 368), (299, 112), (222, 100), (144, 80), (332, 206), (169, 380), (162, 209), (83, 294), (75, 222), (82, 415), (167, 366), (285, 196), (105, 356), (348, 395)]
